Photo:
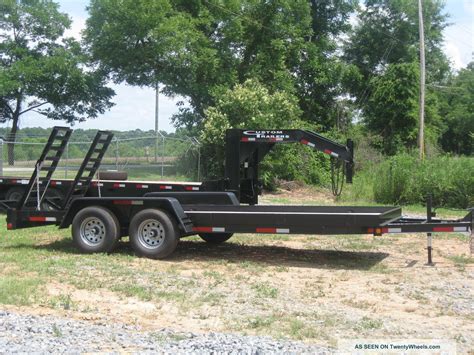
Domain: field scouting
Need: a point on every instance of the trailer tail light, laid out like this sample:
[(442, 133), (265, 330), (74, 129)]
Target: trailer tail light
[(191, 188), (55, 183), (166, 187), (209, 229), (273, 230), (247, 139), (9, 225), (41, 219), (117, 186), (141, 186), (96, 184), (128, 202)]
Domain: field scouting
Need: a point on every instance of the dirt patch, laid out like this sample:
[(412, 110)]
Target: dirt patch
[(298, 194)]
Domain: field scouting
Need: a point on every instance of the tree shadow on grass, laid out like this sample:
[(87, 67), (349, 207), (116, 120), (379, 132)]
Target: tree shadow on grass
[(245, 255)]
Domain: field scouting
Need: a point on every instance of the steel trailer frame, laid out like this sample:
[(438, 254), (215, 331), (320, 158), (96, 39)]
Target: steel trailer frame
[(213, 215)]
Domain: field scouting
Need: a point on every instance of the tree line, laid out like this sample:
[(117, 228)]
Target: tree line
[(336, 66)]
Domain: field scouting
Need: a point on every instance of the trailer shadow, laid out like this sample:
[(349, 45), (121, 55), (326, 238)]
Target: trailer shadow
[(237, 253), (274, 255)]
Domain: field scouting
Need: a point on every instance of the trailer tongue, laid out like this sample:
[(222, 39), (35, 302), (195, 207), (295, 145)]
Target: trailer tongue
[(156, 221)]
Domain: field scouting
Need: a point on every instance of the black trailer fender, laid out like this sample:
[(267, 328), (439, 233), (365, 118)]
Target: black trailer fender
[(125, 208)]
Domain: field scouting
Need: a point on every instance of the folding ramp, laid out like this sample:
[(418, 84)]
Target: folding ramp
[(37, 186)]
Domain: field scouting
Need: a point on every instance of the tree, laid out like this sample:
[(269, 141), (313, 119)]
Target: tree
[(198, 48), (385, 41), (392, 109), (457, 108), (42, 71)]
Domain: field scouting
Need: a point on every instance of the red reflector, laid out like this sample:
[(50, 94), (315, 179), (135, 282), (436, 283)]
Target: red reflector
[(266, 230), (9, 226), (123, 202), (37, 219), (244, 139), (443, 229), (202, 229), (304, 141), (370, 230), (327, 151)]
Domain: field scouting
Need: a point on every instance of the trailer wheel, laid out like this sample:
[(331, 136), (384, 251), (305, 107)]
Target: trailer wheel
[(153, 234), (216, 238), (95, 230), (15, 194)]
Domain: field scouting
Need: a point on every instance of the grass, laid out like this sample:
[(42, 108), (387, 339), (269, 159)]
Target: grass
[(461, 259), (265, 290), (367, 323), (21, 291)]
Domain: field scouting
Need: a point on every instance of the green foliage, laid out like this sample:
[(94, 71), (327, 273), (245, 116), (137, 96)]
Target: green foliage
[(457, 109), (392, 109), (252, 106), (197, 47), (403, 179), (41, 70), (383, 50)]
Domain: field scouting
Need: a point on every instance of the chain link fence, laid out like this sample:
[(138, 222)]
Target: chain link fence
[(142, 156)]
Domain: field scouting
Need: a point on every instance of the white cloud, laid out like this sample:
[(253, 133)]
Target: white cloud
[(468, 6), (458, 45), (78, 24)]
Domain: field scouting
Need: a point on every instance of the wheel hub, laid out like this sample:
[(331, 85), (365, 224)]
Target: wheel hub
[(92, 231), (151, 233)]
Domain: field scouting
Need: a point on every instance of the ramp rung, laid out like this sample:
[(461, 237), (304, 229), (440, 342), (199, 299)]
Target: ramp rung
[(52, 158)]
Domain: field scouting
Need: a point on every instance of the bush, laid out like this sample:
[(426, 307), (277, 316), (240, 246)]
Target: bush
[(403, 179), (252, 106)]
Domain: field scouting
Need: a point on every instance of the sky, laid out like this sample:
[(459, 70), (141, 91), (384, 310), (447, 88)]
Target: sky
[(135, 107)]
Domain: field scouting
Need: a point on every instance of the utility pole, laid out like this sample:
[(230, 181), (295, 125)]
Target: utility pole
[(421, 135), (157, 102)]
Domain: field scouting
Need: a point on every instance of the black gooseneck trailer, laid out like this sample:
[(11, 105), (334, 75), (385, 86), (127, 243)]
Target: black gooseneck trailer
[(156, 221)]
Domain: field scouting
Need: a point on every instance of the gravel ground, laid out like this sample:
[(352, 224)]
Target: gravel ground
[(45, 334)]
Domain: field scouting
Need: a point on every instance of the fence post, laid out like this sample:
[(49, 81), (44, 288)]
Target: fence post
[(162, 156), (1, 157), (199, 158), (67, 160), (116, 154), (156, 147)]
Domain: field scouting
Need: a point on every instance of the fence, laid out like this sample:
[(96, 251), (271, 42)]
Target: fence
[(145, 157)]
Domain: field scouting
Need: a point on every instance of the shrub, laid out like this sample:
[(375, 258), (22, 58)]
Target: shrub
[(403, 179)]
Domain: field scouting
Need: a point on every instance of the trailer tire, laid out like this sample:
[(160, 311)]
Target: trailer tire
[(95, 230), (215, 238), (153, 234), (14, 193)]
